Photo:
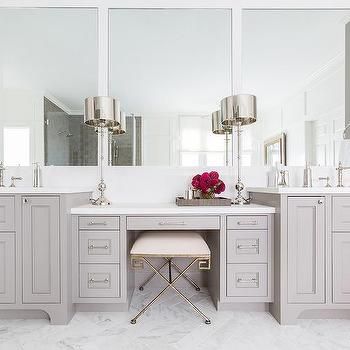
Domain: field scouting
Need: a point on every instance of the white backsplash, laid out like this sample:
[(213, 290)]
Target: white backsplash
[(157, 184)]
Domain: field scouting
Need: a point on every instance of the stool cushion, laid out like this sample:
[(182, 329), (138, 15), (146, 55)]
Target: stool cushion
[(170, 244)]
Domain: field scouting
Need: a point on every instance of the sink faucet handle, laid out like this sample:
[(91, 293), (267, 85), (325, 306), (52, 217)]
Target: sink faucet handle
[(327, 178), (13, 179)]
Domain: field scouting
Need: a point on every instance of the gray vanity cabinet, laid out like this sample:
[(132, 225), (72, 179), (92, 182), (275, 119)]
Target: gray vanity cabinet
[(41, 253), (341, 268), (7, 268), (306, 249)]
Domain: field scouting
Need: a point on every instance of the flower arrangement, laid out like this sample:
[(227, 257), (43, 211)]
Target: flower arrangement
[(208, 184)]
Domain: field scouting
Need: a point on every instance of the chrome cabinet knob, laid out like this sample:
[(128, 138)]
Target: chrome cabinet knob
[(320, 201)]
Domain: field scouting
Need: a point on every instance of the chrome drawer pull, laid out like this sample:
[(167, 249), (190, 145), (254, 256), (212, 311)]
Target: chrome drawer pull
[(164, 223), (247, 246), (98, 247), (252, 280), (91, 280), (93, 223), (247, 223)]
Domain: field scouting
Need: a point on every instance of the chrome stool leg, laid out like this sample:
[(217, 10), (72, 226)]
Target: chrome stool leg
[(170, 285), (151, 277), (177, 268), (188, 278)]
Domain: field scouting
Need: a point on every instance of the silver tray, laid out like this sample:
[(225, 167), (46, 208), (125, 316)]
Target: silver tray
[(216, 202)]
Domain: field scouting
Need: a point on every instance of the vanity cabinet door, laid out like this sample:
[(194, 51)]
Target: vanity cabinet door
[(341, 270), (306, 245), (41, 251), (7, 268), (7, 213)]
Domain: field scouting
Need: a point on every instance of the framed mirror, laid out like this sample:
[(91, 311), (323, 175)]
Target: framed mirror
[(275, 150), (170, 68), (48, 65)]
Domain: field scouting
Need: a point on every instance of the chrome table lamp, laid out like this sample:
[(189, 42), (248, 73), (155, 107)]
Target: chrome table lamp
[(115, 131), (237, 111), (101, 112), (219, 128)]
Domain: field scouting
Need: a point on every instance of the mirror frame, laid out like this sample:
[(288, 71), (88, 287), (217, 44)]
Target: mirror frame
[(280, 139)]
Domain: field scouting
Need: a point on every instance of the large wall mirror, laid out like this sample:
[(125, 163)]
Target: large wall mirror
[(48, 65), (294, 61), (169, 68)]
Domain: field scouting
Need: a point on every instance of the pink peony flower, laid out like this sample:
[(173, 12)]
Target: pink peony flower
[(208, 183), (214, 175)]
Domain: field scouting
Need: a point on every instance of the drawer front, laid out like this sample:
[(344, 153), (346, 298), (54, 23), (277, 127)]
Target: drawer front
[(246, 246), (99, 281), (99, 247), (341, 213), (247, 280), (247, 222), (7, 213), (98, 223), (175, 223)]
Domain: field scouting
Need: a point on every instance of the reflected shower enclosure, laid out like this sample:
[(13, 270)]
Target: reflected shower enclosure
[(67, 140)]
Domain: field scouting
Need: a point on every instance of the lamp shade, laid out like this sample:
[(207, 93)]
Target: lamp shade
[(217, 126), (119, 129), (102, 111), (238, 109)]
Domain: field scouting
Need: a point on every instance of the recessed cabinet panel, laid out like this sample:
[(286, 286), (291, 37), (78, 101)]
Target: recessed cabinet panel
[(257, 222), (41, 250), (306, 246), (99, 247), (245, 246), (246, 280), (99, 223), (99, 281), (7, 213), (341, 214), (341, 267), (7, 269), (174, 222)]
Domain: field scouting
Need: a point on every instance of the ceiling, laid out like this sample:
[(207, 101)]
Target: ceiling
[(283, 48)]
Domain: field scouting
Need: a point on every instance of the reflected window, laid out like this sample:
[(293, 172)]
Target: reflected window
[(199, 146), (16, 146)]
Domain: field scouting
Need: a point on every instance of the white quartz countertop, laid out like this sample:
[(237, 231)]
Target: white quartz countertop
[(169, 209), (43, 190), (300, 190)]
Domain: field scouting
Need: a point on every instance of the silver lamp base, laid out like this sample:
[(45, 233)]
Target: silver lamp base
[(101, 200), (240, 200)]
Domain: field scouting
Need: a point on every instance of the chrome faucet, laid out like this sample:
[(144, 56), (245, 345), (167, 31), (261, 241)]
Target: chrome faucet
[(13, 179), (340, 173), (327, 178), (2, 169)]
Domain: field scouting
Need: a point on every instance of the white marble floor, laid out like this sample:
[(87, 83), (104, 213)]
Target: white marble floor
[(171, 325)]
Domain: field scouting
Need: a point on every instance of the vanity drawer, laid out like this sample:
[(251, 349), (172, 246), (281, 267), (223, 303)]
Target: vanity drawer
[(98, 223), (175, 223), (246, 246), (341, 213), (99, 247), (99, 281), (7, 213), (247, 222), (246, 280)]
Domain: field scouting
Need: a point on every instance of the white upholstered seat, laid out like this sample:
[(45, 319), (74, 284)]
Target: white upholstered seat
[(170, 244)]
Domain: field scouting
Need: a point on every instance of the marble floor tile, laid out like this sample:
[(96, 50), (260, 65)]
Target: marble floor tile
[(172, 325)]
